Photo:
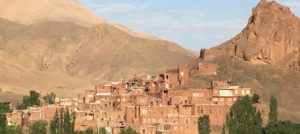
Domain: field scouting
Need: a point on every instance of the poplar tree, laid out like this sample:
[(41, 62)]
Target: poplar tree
[(4, 108), (61, 122), (2, 123), (67, 123), (204, 125), (102, 131), (55, 124), (38, 127), (224, 130), (89, 131), (273, 111)]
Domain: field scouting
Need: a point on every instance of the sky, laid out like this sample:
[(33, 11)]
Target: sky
[(194, 24)]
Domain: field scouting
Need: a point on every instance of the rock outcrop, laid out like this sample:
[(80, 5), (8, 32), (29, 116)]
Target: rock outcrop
[(272, 36)]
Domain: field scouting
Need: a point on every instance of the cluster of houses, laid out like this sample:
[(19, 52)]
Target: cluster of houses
[(148, 104)]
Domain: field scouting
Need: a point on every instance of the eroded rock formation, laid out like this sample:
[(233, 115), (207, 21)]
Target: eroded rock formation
[(271, 37)]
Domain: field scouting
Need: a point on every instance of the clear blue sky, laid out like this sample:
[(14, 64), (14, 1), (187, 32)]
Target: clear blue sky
[(194, 24)]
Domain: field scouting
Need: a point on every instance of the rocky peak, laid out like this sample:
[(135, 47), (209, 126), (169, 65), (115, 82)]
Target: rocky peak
[(272, 36)]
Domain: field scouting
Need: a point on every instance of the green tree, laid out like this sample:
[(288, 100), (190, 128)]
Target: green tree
[(67, 123), (13, 130), (54, 124), (32, 99), (102, 131), (2, 123), (73, 122), (128, 131), (255, 98), (38, 127), (243, 118), (89, 131), (283, 127), (50, 98), (224, 129), (61, 122), (78, 132), (4, 108), (204, 125), (273, 111)]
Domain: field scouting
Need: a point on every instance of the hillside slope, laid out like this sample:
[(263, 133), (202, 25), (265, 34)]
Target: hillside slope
[(265, 80), (74, 52), (97, 53), (16, 78)]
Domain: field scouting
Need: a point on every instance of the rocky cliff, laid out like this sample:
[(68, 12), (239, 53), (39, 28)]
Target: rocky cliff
[(272, 36)]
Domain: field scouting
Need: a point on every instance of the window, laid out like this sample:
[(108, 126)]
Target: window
[(167, 77), (247, 92), (181, 73), (167, 86)]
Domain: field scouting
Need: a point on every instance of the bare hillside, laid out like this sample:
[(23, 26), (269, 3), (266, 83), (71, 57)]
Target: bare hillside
[(60, 53)]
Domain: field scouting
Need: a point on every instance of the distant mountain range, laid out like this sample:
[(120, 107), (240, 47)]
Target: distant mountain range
[(58, 45)]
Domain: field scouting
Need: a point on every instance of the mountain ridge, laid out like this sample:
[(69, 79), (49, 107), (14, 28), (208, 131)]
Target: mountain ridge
[(38, 11), (59, 61), (58, 46)]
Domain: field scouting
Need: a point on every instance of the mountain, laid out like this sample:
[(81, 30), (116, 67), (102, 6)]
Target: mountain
[(38, 11), (57, 45), (264, 57), (272, 36)]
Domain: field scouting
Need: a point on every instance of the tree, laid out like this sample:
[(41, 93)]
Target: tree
[(4, 108), (128, 131), (283, 127), (61, 122), (38, 127), (50, 98), (73, 122), (13, 130), (34, 98), (102, 131), (224, 130), (2, 123), (243, 118), (67, 125), (255, 98), (273, 111), (204, 125), (31, 100), (55, 123), (89, 131)]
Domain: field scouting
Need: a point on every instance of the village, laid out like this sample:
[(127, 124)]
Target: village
[(148, 104)]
